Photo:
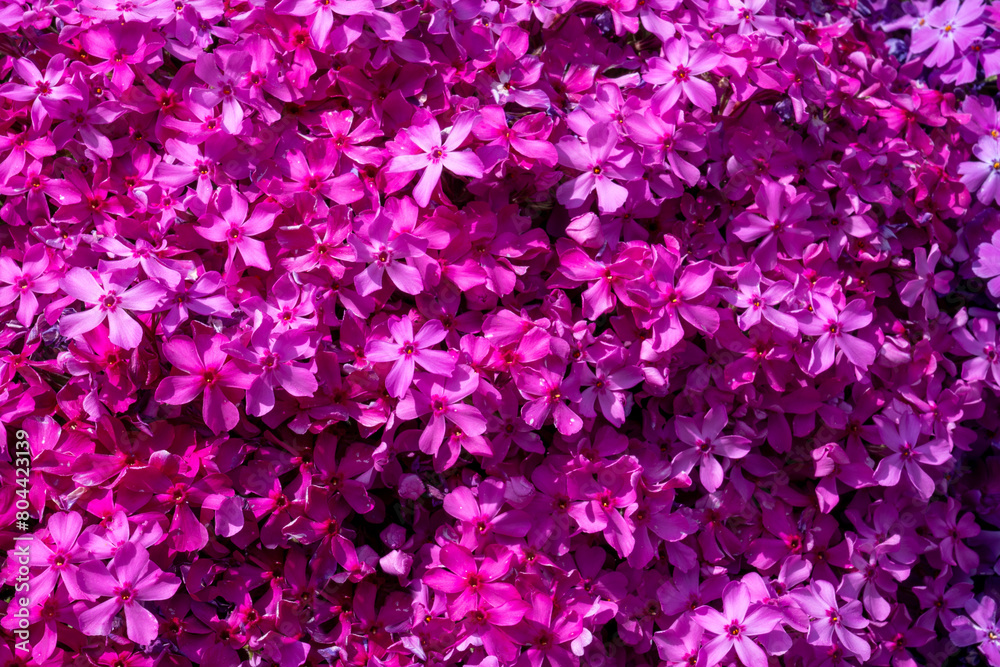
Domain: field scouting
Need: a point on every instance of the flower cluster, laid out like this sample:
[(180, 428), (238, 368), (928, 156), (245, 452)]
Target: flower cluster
[(500, 333)]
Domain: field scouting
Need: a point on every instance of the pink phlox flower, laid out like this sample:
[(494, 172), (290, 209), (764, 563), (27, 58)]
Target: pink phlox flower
[(987, 263), (549, 392), (481, 517), (44, 91), (275, 358), (980, 341), (952, 532), (704, 444), (206, 370), (443, 399), (662, 139), (952, 24), (22, 283), (831, 619), (600, 159), (121, 46), (608, 280), (311, 173), (200, 297), (470, 580), (525, 138), (928, 282), (406, 351), (779, 215), (907, 455), (831, 325), (549, 633), (383, 251), (60, 555), (227, 222), (322, 14), (351, 476), (833, 464), (671, 299), (104, 540), (429, 155), (607, 386), (112, 299), (981, 626), (760, 303), (598, 499), (679, 72), (735, 627), (131, 579), (983, 177), (941, 596), (750, 16)]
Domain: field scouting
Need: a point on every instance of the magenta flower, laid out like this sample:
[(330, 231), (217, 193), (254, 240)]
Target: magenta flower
[(207, 370), (832, 327), (44, 91), (481, 516), (761, 303), (61, 560), (22, 283), (548, 392), (600, 162), (734, 627), (952, 532), (130, 580), (907, 455), (228, 223), (928, 282), (201, 297), (981, 627), (322, 13), (987, 263), (953, 24), (442, 398), (468, 581), (983, 177), (383, 247), (431, 156), (275, 359), (606, 386), (779, 216), (677, 73), (112, 299), (829, 619), (408, 351), (705, 444)]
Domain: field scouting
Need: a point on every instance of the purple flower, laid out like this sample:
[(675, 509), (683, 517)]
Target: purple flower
[(600, 160), (908, 455), (735, 627), (431, 156), (983, 177), (981, 627), (831, 326), (830, 619), (130, 580), (678, 73), (704, 444), (407, 351), (112, 299)]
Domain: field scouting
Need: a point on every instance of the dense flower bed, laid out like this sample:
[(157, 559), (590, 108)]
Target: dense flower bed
[(530, 332)]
